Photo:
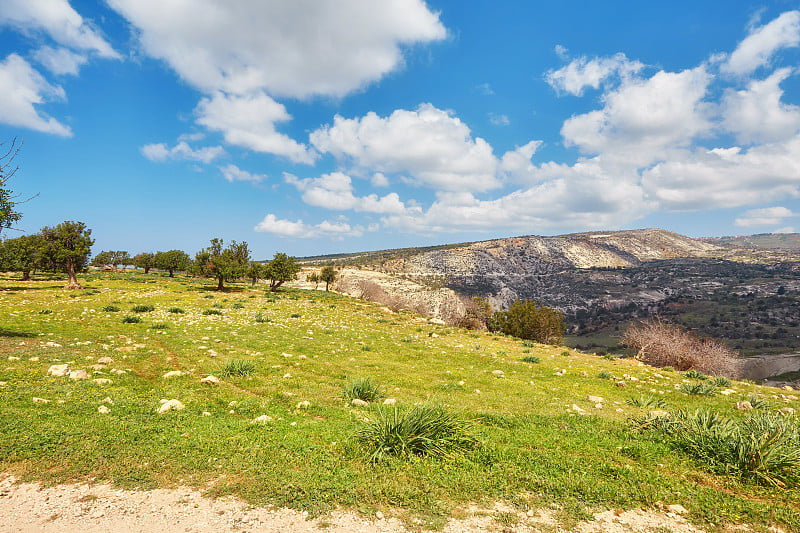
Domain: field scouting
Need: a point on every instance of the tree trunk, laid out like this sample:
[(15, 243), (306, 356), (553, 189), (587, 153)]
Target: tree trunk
[(26, 275), (73, 281), (146, 270), (254, 282), (219, 285), (170, 273), (273, 287), (326, 286)]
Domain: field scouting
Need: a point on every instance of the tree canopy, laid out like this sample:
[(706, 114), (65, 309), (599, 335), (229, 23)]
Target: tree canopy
[(22, 254), (144, 261), (328, 275), (281, 269), (67, 246), (224, 264), (529, 320), (171, 261)]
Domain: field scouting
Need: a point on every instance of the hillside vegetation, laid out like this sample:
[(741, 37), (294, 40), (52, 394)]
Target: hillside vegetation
[(547, 427)]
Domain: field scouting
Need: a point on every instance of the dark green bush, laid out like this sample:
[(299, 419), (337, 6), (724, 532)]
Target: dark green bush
[(529, 320)]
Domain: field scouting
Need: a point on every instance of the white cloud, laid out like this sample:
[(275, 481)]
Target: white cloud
[(583, 72), (757, 49), (769, 216), (785, 229), (181, 151), (22, 88), (517, 163), (485, 88), (431, 146), (561, 51), (60, 61), (233, 173), (335, 191), (300, 230), (757, 113), (249, 121), (297, 49), (194, 137), (379, 180), (644, 118), (499, 120), (56, 18)]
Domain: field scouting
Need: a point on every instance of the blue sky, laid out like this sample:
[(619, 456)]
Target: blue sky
[(324, 126)]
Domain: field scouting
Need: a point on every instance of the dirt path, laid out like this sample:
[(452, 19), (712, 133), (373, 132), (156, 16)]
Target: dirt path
[(27, 507)]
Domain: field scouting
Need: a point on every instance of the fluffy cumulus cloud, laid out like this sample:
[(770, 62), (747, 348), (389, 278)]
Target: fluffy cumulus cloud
[(429, 146), (23, 88), (233, 173), (249, 121), (583, 72), (300, 230), (297, 49), (182, 152), (60, 61), (769, 216), (757, 49), (335, 191), (59, 21)]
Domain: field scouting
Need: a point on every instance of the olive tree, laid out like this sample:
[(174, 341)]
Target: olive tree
[(103, 259), (328, 275), (256, 271), (224, 264), (144, 261), (281, 269), (67, 246), (22, 254), (172, 260)]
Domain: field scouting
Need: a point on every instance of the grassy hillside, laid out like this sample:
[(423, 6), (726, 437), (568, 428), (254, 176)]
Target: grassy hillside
[(542, 442)]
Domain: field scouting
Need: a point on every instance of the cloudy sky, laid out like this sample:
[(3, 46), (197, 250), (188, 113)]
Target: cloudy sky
[(320, 126)]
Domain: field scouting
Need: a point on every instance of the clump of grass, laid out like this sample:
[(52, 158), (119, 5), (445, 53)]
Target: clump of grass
[(608, 357), (721, 381), (699, 389), (111, 309), (295, 315), (159, 325), (424, 430), (757, 402), (645, 402), (366, 348), (565, 353), (528, 344), (46, 312), (530, 359), (762, 448), (175, 310), (605, 374), (407, 339), (362, 389), (131, 319), (212, 312), (694, 374), (209, 296), (237, 367), (259, 318), (218, 306), (237, 305), (142, 308)]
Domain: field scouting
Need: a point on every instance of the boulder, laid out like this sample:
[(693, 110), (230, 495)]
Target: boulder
[(263, 419), (358, 403), (105, 360), (305, 404), (169, 405), (103, 410), (78, 374), (103, 381), (595, 399), (39, 400), (744, 406), (210, 380), (172, 374), (58, 370), (677, 509), (389, 401)]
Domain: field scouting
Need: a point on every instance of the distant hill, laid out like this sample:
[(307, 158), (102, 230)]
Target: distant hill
[(761, 241)]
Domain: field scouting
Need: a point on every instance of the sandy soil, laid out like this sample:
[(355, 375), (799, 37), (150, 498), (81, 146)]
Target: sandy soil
[(28, 507)]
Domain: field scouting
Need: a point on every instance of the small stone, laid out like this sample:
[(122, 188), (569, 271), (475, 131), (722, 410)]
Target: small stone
[(39, 400), (356, 402), (103, 381), (210, 380), (13, 358), (389, 401), (620, 384), (727, 392), (170, 405), (105, 360), (595, 399), (434, 335), (287, 375), (108, 400), (305, 404), (577, 409), (584, 374), (78, 374), (657, 413), (172, 374), (263, 419), (117, 371), (787, 387), (379, 515), (498, 372), (598, 406), (58, 370), (98, 367), (206, 413), (234, 403), (33, 359), (744, 406), (103, 410), (786, 411), (677, 509)]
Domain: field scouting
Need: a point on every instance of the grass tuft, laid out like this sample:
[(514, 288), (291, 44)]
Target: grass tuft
[(530, 359), (176, 310), (237, 367), (212, 312), (694, 374), (362, 389), (699, 389), (111, 309), (645, 402), (142, 308), (131, 319)]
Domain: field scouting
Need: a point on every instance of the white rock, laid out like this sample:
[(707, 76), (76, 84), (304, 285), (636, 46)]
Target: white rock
[(172, 374), (577, 409), (498, 372), (117, 371), (595, 399), (170, 405), (33, 359), (58, 370), (206, 413), (305, 404), (234, 403), (786, 411), (210, 380), (727, 392), (105, 360), (287, 375), (744, 406), (103, 381), (379, 515), (358, 403), (389, 401), (78, 374), (108, 400), (39, 400), (103, 410), (263, 419), (657, 413), (788, 387), (677, 509)]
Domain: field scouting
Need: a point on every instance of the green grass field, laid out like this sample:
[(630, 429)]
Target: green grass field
[(542, 443)]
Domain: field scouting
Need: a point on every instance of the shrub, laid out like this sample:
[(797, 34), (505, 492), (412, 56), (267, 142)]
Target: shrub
[(111, 309), (237, 367), (159, 325), (659, 344), (721, 381), (605, 374), (699, 389), (238, 306), (694, 374), (49, 311), (362, 389), (645, 402), (530, 359), (529, 320), (212, 312), (423, 430), (259, 318), (131, 319), (294, 315), (763, 448), (175, 310), (142, 308)]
